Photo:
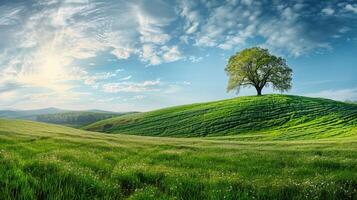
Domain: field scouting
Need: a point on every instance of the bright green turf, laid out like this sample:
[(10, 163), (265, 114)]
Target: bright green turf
[(42, 161), (278, 117)]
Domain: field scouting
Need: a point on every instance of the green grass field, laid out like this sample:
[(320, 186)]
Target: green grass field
[(42, 161), (269, 147), (268, 117)]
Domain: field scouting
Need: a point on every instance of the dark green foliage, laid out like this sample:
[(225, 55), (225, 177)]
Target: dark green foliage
[(43, 161), (278, 117)]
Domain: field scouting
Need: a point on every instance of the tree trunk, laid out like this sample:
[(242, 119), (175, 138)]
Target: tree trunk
[(259, 91)]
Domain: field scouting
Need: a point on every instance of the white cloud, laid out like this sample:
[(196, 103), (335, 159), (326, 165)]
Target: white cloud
[(293, 37), (328, 11), (126, 78), (121, 53), (155, 56), (49, 43), (206, 41), (195, 59), (277, 25), (91, 79), (221, 20), (171, 54), (42, 41), (145, 86), (232, 41), (138, 97), (339, 94), (352, 8), (10, 16), (56, 34), (191, 15), (47, 3), (8, 96), (186, 83), (149, 53)]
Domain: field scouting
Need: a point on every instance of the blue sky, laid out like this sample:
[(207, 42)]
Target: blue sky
[(142, 55)]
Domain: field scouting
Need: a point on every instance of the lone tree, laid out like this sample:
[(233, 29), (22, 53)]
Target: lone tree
[(256, 67)]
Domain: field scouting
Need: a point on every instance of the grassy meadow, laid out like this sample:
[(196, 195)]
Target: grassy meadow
[(43, 161)]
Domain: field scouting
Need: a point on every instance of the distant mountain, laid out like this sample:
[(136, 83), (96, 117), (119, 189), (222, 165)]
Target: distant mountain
[(60, 116), (100, 111), (28, 114), (350, 101), (77, 118)]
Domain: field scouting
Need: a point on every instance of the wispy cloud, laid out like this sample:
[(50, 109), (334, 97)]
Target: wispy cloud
[(56, 34), (9, 15), (351, 7), (145, 86), (280, 25), (51, 47), (126, 78), (328, 11), (339, 94), (92, 79), (195, 59)]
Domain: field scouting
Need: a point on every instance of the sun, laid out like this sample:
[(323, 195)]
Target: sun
[(48, 68)]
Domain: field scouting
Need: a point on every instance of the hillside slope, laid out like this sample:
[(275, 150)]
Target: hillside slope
[(77, 118), (46, 161), (28, 114), (266, 117)]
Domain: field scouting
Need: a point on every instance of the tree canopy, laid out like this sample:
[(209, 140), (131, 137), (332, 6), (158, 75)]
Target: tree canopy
[(256, 67)]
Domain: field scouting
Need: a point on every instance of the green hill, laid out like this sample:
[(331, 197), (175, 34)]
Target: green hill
[(45, 161), (28, 114), (254, 117), (60, 116), (76, 118)]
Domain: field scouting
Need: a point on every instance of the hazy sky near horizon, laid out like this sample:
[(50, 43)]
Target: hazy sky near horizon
[(146, 54)]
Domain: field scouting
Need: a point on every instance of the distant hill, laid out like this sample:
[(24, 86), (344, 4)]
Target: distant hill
[(259, 117), (77, 118), (28, 114), (350, 101), (60, 116)]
